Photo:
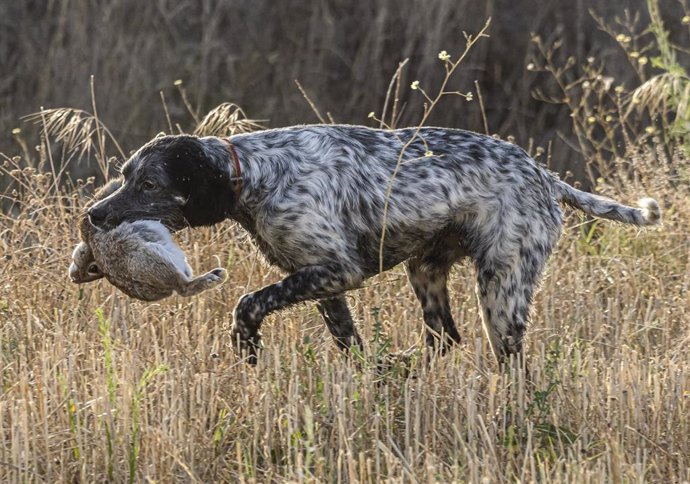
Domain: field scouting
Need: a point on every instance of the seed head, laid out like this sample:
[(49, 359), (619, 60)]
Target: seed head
[(623, 39)]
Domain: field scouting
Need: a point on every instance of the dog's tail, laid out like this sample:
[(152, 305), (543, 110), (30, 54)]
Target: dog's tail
[(648, 212)]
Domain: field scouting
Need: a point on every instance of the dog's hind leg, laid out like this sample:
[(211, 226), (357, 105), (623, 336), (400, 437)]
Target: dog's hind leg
[(338, 318), (201, 283), (506, 284), (429, 283)]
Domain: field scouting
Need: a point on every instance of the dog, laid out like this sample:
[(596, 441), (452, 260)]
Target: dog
[(140, 258), (332, 205)]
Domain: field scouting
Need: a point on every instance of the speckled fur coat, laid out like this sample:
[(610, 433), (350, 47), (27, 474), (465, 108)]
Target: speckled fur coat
[(313, 199)]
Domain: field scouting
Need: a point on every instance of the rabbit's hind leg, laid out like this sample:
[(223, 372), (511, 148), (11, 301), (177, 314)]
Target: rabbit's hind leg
[(199, 284)]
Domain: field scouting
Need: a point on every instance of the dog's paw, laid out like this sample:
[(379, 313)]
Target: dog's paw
[(246, 346)]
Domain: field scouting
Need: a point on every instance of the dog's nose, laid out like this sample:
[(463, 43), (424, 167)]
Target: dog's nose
[(97, 216)]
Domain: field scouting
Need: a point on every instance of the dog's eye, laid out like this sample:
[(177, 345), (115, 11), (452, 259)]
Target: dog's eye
[(148, 185)]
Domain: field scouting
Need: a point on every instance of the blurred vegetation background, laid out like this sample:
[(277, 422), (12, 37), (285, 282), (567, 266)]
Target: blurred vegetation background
[(343, 53)]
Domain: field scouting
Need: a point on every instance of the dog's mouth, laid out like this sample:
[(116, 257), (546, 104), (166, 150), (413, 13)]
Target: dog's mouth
[(171, 220)]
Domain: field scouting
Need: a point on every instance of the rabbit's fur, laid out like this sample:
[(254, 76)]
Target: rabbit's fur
[(140, 258)]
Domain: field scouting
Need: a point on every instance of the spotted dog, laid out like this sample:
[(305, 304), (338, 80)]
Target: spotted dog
[(313, 199)]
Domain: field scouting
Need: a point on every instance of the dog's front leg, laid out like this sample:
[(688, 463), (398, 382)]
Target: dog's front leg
[(313, 282)]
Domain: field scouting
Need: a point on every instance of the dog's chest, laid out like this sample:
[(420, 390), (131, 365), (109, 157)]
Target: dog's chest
[(273, 255)]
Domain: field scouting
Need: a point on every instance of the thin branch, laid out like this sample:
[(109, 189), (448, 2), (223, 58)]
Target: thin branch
[(309, 101), (427, 112)]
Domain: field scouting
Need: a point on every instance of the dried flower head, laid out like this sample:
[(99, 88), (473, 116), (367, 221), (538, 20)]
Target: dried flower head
[(623, 39)]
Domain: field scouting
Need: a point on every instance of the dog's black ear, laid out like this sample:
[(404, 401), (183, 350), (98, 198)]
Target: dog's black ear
[(201, 172), (210, 198)]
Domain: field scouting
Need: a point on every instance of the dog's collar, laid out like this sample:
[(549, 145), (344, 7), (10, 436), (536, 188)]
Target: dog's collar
[(237, 179)]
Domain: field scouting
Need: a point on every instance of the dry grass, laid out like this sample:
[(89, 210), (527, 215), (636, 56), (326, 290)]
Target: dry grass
[(98, 387), (151, 391)]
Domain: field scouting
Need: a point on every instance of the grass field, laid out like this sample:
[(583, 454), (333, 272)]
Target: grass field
[(97, 387)]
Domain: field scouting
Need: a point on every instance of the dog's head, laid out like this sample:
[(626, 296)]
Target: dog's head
[(180, 180)]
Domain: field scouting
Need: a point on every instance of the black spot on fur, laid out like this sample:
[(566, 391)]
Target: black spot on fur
[(204, 182)]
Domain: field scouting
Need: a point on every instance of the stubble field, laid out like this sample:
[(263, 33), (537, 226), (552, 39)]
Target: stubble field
[(96, 386)]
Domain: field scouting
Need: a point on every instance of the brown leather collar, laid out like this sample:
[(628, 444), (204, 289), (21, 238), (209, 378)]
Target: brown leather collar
[(237, 179)]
